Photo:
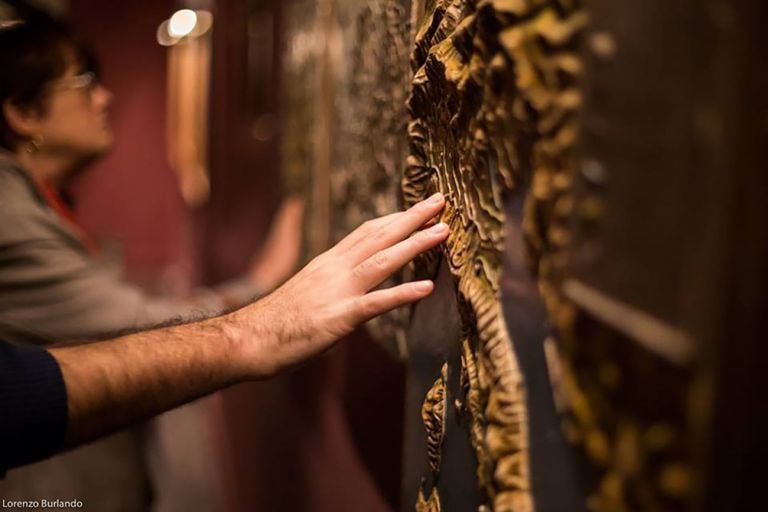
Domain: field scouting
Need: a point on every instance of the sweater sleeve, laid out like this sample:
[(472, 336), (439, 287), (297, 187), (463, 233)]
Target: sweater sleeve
[(33, 405)]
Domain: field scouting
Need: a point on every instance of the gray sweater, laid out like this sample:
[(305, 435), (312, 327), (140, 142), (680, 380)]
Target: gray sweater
[(52, 290)]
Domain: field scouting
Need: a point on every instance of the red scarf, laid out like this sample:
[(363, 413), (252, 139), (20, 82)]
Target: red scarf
[(67, 216)]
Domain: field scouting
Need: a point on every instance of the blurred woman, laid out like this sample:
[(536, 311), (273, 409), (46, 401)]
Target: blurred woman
[(53, 283)]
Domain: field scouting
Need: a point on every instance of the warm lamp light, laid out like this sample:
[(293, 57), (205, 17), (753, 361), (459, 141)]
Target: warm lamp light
[(183, 26), (182, 23)]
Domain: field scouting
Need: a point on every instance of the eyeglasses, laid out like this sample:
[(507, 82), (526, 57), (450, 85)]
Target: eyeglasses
[(86, 81)]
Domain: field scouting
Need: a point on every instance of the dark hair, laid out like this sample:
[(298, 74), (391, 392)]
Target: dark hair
[(34, 53)]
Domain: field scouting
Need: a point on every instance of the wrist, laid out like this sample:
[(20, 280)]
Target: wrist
[(251, 343)]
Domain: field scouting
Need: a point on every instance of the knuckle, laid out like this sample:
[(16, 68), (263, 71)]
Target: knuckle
[(380, 259), (380, 234), (359, 271), (364, 307)]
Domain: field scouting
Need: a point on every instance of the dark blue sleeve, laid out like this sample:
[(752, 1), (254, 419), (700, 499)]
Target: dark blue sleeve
[(33, 405)]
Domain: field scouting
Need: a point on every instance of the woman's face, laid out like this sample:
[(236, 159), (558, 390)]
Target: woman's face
[(75, 122)]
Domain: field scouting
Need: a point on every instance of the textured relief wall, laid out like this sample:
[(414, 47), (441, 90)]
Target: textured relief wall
[(305, 130), (433, 414), (344, 145), (479, 99), (490, 95), (370, 147), (493, 105)]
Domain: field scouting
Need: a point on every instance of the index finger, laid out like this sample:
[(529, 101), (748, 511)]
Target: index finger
[(400, 227)]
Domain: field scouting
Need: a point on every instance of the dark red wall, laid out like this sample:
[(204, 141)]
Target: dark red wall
[(132, 196)]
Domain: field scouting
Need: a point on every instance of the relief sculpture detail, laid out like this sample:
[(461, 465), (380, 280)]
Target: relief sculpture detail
[(433, 413), (371, 147), (493, 105), (488, 108)]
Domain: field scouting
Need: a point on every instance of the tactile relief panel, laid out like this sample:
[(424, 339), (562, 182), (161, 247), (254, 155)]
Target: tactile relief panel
[(493, 103), (344, 143), (487, 108), (433, 414), (373, 80)]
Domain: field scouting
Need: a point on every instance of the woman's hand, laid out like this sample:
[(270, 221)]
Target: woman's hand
[(279, 257)]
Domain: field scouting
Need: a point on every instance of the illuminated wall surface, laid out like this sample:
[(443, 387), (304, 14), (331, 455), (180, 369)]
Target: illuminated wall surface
[(578, 352)]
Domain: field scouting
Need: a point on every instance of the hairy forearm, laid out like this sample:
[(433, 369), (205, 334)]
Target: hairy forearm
[(112, 384)]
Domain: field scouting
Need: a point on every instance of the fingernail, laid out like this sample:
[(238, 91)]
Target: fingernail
[(423, 286), (436, 198), (439, 229)]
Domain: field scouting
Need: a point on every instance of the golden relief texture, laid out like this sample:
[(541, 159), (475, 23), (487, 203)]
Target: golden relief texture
[(430, 504), (492, 105), (603, 382), (624, 408), (487, 108), (433, 414)]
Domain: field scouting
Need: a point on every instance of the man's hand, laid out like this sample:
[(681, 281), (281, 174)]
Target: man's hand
[(113, 383), (336, 291)]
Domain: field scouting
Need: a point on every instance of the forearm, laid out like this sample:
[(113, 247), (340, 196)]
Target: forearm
[(114, 383)]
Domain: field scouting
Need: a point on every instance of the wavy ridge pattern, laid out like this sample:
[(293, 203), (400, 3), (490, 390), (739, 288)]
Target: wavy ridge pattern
[(492, 108)]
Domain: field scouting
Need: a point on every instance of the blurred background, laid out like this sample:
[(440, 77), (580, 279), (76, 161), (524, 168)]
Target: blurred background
[(223, 111), (187, 196)]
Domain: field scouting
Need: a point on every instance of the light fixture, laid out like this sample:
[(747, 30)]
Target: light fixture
[(182, 23)]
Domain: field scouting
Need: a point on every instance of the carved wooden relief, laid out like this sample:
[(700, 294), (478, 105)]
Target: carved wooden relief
[(431, 504), (371, 146), (628, 371), (344, 144), (479, 99), (491, 98), (493, 102), (433, 413)]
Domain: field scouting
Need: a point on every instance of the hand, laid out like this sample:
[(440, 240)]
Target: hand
[(279, 256), (336, 291)]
